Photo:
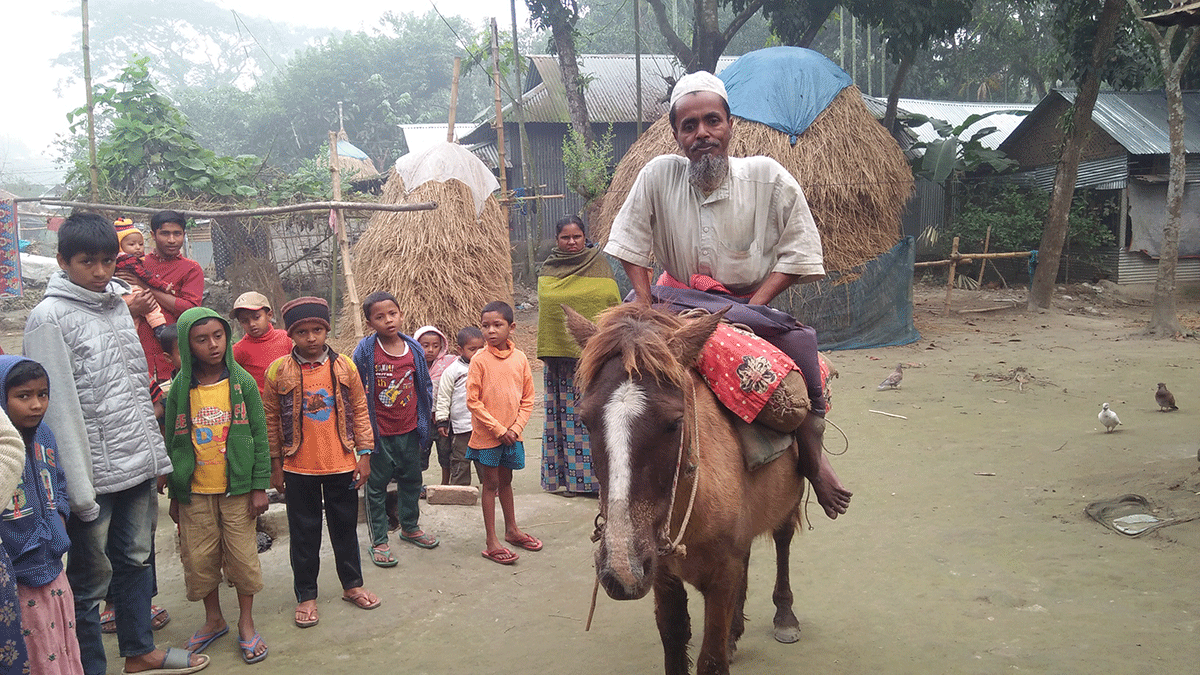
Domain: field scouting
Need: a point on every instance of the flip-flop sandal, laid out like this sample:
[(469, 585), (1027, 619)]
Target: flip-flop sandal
[(199, 643), (528, 542), (383, 558), (108, 622), (249, 647), (175, 662), (424, 540), (158, 618), (310, 617), (502, 556), (360, 601)]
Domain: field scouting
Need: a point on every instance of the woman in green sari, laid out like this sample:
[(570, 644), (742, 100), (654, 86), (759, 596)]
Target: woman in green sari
[(578, 275)]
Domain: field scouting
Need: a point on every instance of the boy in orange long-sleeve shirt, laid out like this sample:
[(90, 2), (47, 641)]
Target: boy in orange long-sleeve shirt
[(500, 398)]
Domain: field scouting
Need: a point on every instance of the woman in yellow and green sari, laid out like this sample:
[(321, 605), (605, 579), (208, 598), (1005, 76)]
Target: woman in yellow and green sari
[(578, 275)]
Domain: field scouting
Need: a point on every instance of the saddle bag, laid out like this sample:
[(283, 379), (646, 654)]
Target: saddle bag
[(754, 379)]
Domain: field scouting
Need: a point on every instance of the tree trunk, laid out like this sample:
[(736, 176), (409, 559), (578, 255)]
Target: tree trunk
[(1163, 318), (889, 117), (564, 44), (1054, 234), (707, 43)]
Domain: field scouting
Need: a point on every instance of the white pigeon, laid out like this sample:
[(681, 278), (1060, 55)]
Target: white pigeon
[(893, 380), (1108, 418)]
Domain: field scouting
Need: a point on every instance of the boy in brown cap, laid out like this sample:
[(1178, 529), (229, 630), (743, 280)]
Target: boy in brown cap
[(263, 342), (321, 442)]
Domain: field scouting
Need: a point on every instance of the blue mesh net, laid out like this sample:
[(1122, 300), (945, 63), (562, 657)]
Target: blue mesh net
[(873, 310)]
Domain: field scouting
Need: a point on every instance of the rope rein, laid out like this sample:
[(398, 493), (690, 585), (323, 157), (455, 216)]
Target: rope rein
[(674, 547)]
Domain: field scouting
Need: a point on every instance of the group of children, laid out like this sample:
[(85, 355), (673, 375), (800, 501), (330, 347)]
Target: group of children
[(280, 409)]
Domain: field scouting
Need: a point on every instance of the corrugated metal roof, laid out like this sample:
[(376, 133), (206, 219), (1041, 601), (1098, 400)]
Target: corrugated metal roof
[(956, 112), (487, 152), (1138, 120), (611, 91), (420, 136)]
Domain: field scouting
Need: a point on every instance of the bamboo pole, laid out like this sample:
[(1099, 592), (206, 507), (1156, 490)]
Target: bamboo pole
[(987, 239), (343, 240), (967, 258), (528, 179), (950, 281), (499, 116), (244, 213), (93, 170), (453, 98)]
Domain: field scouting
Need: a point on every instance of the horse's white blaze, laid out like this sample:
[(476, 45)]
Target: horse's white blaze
[(625, 405)]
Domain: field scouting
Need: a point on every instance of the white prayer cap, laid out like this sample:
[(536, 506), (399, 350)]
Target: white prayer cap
[(696, 82)]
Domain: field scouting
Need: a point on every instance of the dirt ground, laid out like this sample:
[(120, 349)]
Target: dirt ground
[(966, 549)]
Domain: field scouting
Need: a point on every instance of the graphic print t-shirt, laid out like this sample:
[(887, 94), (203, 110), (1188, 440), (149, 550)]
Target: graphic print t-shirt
[(211, 415), (321, 452), (395, 391)]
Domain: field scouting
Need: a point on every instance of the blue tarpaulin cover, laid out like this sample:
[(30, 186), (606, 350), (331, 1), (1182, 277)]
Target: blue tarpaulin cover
[(783, 87)]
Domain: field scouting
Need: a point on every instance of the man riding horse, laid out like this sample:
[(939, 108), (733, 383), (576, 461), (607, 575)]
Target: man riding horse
[(729, 231)]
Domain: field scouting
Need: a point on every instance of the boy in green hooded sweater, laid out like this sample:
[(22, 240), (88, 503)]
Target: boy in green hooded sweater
[(217, 441)]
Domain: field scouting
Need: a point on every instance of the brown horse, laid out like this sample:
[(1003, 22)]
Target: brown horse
[(668, 458)]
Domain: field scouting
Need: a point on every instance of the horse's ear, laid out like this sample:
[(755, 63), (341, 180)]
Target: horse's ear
[(689, 340), (578, 326)]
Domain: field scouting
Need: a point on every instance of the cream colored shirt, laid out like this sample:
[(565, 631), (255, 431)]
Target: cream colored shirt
[(756, 223)]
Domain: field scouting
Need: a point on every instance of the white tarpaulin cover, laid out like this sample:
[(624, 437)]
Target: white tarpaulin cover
[(1148, 214), (443, 161)]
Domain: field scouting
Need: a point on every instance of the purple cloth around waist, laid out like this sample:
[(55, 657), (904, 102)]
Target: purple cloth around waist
[(779, 328)]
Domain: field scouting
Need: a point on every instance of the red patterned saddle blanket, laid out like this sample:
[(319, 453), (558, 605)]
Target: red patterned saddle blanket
[(754, 379)]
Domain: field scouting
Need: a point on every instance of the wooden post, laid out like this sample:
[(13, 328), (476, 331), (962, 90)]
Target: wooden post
[(453, 98), (343, 240), (499, 119), (533, 235), (987, 239), (950, 282)]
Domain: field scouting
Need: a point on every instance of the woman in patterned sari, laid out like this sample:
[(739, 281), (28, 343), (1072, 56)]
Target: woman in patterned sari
[(575, 274)]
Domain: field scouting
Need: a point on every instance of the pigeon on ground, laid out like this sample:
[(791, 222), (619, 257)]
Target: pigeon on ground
[(893, 380), (1108, 418), (1165, 399)]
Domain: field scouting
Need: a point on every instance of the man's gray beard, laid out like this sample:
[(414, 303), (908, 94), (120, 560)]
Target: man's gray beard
[(709, 172)]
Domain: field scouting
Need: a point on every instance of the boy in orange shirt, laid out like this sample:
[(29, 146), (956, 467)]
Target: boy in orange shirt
[(321, 441), (500, 397)]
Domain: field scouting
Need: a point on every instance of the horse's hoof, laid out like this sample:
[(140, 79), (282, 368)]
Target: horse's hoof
[(787, 635)]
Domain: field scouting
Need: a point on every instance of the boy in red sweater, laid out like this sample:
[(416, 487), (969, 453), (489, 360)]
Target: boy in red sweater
[(263, 342), (500, 398)]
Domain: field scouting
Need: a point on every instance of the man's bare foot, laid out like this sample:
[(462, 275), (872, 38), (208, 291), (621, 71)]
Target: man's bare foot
[(831, 494), (815, 466), (155, 660)]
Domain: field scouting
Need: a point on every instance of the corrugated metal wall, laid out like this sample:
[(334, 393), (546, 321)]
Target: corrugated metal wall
[(1135, 267)]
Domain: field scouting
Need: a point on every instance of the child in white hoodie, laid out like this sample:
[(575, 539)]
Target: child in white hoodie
[(450, 411), (438, 357)]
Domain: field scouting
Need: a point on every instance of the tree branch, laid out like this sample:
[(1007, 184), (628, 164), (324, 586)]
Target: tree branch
[(740, 20), (674, 43)]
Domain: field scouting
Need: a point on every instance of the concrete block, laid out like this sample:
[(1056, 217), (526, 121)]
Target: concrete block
[(461, 495)]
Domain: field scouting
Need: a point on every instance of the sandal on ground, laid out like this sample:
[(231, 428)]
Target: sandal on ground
[(200, 641), (363, 599), (175, 662), (502, 556), (158, 618), (527, 542), (248, 648), (424, 539), (108, 622), (307, 618), (382, 557)]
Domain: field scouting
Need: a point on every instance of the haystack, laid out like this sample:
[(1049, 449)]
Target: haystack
[(442, 265), (853, 173)]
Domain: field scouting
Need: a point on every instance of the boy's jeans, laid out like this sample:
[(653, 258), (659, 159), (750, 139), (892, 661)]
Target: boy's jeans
[(114, 548)]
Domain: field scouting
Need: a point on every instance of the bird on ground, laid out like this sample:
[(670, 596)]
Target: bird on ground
[(1165, 399), (1108, 418), (893, 380)]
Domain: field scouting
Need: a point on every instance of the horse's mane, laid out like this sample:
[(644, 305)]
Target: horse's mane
[(640, 336)]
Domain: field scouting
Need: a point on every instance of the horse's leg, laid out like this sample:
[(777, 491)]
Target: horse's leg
[(674, 626), (787, 628), (738, 627), (720, 602)]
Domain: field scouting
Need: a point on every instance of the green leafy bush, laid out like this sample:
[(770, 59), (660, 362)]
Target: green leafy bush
[(1017, 214)]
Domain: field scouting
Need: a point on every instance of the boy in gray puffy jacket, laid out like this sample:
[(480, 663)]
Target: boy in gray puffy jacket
[(109, 444)]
